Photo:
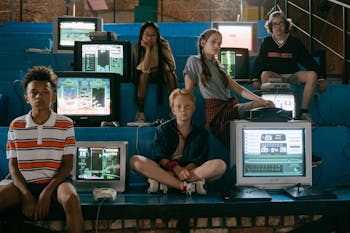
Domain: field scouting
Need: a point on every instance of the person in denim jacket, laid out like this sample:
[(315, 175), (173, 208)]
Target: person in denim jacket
[(180, 152)]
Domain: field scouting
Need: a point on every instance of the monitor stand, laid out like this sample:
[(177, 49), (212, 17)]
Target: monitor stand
[(246, 194), (301, 192)]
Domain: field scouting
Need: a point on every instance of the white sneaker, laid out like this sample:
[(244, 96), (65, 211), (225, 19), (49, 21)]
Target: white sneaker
[(201, 187), (190, 188), (163, 188), (306, 116), (153, 186), (140, 117)]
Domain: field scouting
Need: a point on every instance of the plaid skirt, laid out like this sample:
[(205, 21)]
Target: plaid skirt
[(218, 114)]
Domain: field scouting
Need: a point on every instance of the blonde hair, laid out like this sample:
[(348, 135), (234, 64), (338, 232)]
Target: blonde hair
[(275, 14), (184, 92)]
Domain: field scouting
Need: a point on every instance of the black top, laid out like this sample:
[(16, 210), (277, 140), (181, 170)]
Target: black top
[(285, 59)]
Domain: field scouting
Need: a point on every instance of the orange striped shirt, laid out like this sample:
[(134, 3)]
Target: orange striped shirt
[(39, 149)]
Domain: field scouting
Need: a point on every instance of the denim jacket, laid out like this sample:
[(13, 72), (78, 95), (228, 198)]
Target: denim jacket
[(196, 146)]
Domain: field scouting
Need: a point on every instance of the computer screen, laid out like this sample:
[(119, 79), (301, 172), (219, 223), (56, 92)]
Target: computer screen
[(271, 155), (239, 34), (100, 164), (104, 56), (68, 29), (284, 100), (88, 98), (236, 62)]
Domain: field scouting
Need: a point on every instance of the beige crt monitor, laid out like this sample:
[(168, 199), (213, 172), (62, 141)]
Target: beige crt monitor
[(271, 155)]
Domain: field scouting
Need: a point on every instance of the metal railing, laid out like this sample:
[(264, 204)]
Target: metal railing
[(344, 54)]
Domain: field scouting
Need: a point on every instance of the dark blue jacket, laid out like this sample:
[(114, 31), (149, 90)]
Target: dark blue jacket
[(166, 140)]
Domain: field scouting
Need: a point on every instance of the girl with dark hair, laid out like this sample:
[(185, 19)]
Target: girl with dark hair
[(153, 62), (209, 75)]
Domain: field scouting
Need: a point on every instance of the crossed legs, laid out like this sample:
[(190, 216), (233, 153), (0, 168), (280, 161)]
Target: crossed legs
[(210, 170)]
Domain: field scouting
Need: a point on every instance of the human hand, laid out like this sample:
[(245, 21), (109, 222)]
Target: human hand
[(28, 205), (269, 103), (182, 173), (43, 205), (322, 85), (146, 45)]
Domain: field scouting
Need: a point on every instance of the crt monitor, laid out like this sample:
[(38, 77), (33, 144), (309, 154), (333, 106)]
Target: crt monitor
[(236, 62), (88, 98), (239, 34), (68, 29), (100, 164), (285, 100), (103, 56), (271, 155)]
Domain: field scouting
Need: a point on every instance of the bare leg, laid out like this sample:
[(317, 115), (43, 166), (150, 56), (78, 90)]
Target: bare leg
[(142, 88), (309, 78), (171, 81), (151, 169), (10, 196), (69, 199), (266, 75), (211, 170)]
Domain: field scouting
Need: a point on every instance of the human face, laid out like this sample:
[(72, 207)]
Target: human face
[(212, 45), (149, 36), (183, 108), (278, 26), (39, 95)]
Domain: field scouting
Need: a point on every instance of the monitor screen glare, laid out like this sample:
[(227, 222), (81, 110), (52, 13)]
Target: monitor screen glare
[(83, 96), (237, 36), (75, 31), (103, 58)]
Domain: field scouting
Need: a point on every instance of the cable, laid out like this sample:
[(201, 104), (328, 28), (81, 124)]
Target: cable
[(137, 141), (98, 214)]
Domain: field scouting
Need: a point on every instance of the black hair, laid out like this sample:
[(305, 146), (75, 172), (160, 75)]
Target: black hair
[(40, 73), (141, 49)]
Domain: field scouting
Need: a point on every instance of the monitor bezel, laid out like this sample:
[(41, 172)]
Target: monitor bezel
[(78, 56), (57, 48), (88, 185), (254, 30), (273, 182), (89, 120)]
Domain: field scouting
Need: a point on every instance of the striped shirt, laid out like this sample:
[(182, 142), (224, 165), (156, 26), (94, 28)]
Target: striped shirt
[(39, 149)]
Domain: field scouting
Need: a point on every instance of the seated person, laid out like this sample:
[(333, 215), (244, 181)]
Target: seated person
[(205, 72), (40, 149), (153, 61), (180, 152), (279, 57)]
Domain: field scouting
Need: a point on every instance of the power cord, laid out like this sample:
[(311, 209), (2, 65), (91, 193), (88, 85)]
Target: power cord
[(137, 141), (98, 214)]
